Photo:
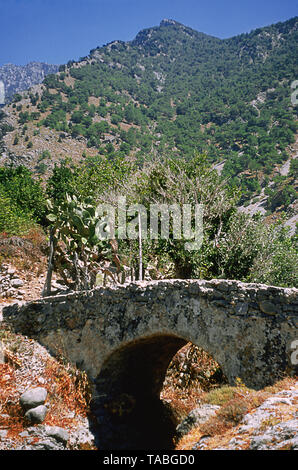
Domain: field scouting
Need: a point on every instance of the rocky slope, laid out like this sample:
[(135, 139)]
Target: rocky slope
[(271, 426)]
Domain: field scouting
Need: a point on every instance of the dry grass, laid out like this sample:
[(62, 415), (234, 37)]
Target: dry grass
[(181, 402), (234, 410), (11, 414), (69, 390), (26, 253), (221, 395)]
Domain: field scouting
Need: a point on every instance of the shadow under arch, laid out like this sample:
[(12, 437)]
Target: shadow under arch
[(127, 407)]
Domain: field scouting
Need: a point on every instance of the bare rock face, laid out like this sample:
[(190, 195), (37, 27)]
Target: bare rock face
[(18, 78), (284, 434)]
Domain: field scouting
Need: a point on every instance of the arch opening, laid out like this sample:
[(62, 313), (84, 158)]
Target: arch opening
[(127, 404), (191, 374)]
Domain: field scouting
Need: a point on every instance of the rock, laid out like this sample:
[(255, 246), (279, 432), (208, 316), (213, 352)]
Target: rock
[(283, 434), (60, 434), (241, 308), (10, 292), (81, 436), (18, 78), (37, 415), (47, 437), (48, 444), (267, 410), (196, 417), (33, 398), (201, 444), (17, 282), (264, 429), (268, 307), (3, 433), (276, 400)]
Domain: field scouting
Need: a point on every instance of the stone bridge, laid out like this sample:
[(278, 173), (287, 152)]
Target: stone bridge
[(125, 336)]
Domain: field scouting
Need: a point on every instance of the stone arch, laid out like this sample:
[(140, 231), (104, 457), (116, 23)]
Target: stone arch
[(140, 366)]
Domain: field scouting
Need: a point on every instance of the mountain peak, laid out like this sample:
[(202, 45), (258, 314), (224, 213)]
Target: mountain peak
[(167, 22)]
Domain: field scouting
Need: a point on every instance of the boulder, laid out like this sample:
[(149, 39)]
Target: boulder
[(17, 282), (55, 432), (37, 414), (33, 398), (197, 416)]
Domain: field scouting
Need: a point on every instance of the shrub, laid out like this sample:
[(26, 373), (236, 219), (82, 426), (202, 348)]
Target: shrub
[(44, 154), (12, 219), (233, 411), (222, 395)]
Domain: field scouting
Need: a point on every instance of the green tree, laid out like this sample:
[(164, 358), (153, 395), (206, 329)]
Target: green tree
[(25, 192)]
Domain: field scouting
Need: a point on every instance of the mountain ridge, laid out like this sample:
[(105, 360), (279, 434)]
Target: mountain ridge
[(167, 93)]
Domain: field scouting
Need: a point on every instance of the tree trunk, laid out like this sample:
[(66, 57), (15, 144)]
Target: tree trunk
[(140, 249), (47, 286)]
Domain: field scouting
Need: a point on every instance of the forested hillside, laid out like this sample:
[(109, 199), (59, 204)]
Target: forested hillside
[(168, 106), (173, 91)]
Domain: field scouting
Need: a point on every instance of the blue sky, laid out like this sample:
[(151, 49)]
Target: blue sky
[(56, 31)]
